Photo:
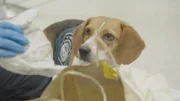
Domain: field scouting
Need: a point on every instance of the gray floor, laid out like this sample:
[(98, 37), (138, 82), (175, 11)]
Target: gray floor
[(157, 21)]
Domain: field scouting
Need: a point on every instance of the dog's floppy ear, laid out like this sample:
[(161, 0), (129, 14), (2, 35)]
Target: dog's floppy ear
[(130, 45), (77, 37)]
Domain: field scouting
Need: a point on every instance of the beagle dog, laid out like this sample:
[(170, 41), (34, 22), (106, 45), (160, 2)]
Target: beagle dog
[(122, 40), (102, 38)]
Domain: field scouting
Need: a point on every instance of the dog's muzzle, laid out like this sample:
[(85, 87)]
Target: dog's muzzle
[(84, 52)]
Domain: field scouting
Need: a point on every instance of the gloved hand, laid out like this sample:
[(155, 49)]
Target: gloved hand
[(11, 40)]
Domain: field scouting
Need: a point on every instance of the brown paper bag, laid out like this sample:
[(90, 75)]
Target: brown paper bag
[(83, 83)]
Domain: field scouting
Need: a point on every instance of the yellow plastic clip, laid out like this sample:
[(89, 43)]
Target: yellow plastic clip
[(109, 72)]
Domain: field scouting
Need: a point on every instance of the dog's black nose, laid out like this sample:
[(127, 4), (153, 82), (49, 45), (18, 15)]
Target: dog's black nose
[(84, 51)]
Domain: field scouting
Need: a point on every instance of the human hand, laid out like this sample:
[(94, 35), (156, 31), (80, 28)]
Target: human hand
[(11, 40)]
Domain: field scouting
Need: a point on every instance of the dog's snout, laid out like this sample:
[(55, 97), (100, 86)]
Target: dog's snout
[(84, 50)]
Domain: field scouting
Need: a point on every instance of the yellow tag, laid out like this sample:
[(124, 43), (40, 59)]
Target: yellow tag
[(109, 72)]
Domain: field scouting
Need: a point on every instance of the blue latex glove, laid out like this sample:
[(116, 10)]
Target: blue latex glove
[(11, 40)]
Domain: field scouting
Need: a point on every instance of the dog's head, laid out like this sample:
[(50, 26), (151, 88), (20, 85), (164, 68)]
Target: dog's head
[(123, 41)]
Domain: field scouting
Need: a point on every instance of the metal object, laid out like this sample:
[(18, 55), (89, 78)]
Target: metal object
[(8, 11)]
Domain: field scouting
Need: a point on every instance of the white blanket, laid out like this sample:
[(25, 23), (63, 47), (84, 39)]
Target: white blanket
[(37, 59), (141, 86)]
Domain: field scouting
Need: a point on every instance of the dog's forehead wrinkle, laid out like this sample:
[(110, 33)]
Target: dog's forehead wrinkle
[(98, 30), (100, 27)]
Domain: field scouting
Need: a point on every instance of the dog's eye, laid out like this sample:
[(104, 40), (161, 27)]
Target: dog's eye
[(87, 31), (108, 37)]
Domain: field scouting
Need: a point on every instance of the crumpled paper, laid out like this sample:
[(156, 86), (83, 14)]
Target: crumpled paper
[(37, 58)]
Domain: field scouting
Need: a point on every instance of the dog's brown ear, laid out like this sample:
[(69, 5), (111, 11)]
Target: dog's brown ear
[(130, 47), (77, 37)]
